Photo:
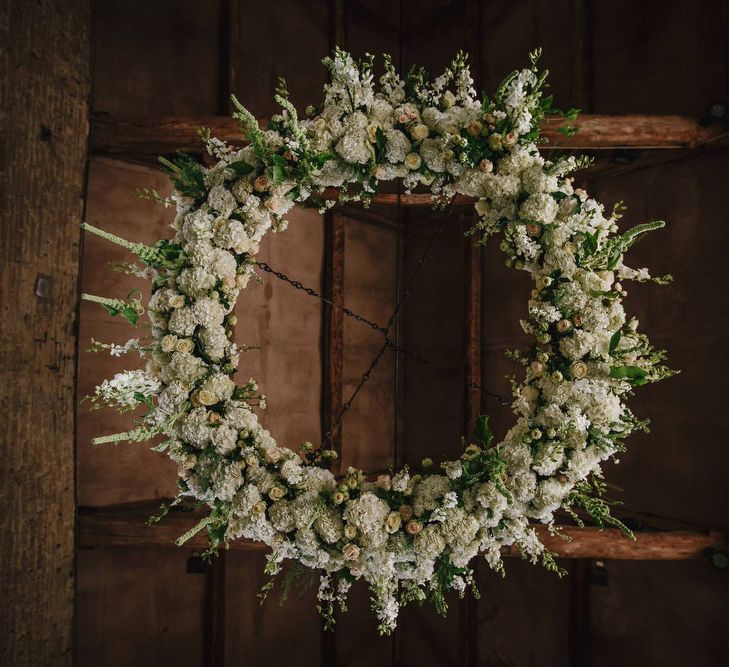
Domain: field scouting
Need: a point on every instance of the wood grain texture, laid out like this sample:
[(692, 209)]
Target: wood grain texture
[(44, 60), (150, 135), (333, 330), (124, 526)]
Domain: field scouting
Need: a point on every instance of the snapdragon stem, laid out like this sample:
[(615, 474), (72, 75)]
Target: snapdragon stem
[(193, 531)]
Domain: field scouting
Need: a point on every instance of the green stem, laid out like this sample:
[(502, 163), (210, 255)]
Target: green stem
[(193, 531), (119, 304), (135, 435), (109, 236)]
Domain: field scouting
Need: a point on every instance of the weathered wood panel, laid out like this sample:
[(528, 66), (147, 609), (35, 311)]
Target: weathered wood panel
[(286, 324), (155, 135), (659, 614), (44, 87), (139, 607), (369, 289), (124, 525), (270, 633), (156, 57)]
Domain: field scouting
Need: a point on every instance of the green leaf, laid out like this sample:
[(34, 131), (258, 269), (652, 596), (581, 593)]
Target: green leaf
[(615, 341), (589, 245), (381, 143), (240, 168), (279, 169), (321, 158), (633, 374), (482, 434)]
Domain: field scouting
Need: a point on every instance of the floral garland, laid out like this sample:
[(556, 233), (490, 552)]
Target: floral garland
[(410, 536)]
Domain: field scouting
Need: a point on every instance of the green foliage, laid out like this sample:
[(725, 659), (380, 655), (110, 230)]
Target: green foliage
[(186, 175), (614, 342), (482, 434)]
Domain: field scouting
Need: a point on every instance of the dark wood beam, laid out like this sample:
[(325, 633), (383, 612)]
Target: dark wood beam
[(146, 135), (124, 526), (333, 334), (45, 90), (215, 607)]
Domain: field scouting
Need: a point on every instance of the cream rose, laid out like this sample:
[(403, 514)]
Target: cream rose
[(207, 397), (419, 132), (393, 522), (185, 345), (564, 326), (176, 301), (168, 343), (578, 370), (277, 493), (413, 161), (414, 527), (350, 551)]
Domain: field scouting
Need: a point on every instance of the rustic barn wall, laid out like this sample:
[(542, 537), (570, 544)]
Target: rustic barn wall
[(44, 88)]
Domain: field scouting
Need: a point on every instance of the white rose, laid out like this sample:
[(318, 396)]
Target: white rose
[(578, 369), (393, 522), (413, 161), (419, 132), (168, 343)]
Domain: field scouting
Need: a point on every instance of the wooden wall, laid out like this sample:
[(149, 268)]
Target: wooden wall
[(610, 57), (44, 88)]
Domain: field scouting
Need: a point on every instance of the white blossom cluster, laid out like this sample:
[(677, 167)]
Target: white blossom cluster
[(408, 535)]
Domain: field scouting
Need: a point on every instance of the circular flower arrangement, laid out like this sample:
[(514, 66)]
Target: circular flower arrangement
[(410, 536)]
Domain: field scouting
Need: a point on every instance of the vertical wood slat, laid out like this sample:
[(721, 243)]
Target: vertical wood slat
[(214, 621), (579, 615), (333, 335), (229, 43), (582, 70), (468, 631), (45, 88)]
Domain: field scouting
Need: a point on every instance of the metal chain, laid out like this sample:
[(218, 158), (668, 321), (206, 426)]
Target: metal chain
[(312, 292), (449, 374), (385, 331)]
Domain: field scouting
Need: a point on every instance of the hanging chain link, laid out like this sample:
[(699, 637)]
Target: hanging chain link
[(385, 331), (312, 292)]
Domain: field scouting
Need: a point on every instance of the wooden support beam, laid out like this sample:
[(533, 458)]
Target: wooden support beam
[(468, 645), (145, 135), (578, 629), (214, 630), (333, 334), (124, 526), (45, 90)]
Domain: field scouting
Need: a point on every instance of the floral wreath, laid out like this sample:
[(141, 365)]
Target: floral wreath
[(410, 536)]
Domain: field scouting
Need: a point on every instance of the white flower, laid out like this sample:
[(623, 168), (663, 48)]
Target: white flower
[(413, 161)]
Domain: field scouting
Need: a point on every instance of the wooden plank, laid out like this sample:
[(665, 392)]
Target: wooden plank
[(214, 631), (472, 346), (140, 135), (44, 89), (579, 614), (124, 526), (333, 338), (229, 43)]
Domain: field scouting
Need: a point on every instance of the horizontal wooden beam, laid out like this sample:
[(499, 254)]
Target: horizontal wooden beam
[(124, 526), (140, 136)]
